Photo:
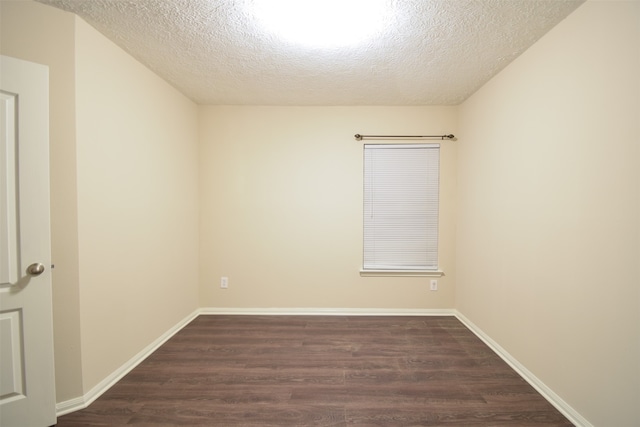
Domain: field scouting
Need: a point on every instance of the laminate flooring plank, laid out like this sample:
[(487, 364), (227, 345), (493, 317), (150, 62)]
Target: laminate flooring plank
[(321, 371), (240, 415)]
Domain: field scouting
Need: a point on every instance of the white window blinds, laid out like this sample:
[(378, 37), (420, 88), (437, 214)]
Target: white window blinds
[(401, 185)]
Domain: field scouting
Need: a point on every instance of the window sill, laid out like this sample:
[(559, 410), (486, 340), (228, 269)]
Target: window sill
[(400, 273)]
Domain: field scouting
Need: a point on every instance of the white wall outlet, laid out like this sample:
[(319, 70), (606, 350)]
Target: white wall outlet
[(434, 285), (224, 282)]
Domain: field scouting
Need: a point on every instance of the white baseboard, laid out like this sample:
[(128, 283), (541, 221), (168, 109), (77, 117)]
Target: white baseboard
[(328, 311), (562, 406), (71, 405), (82, 402)]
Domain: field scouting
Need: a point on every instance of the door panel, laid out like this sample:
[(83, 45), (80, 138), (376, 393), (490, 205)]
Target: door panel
[(12, 374), (27, 388), (9, 266)]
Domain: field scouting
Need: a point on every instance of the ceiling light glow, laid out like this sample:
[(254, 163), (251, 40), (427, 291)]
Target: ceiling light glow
[(322, 23)]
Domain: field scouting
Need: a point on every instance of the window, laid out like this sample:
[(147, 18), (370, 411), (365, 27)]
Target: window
[(401, 186)]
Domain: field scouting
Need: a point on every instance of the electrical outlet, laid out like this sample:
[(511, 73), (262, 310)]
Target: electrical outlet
[(434, 285), (224, 282)]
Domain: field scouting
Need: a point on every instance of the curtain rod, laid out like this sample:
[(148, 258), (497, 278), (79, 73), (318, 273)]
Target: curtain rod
[(443, 137)]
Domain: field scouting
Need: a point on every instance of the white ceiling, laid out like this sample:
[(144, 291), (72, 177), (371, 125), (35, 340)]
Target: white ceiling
[(430, 52)]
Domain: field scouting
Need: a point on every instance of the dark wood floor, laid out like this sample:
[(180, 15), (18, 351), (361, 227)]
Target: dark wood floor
[(321, 371)]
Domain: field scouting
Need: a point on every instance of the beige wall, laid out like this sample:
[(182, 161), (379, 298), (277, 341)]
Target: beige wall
[(281, 207), (45, 35), (548, 248), (124, 195), (137, 204)]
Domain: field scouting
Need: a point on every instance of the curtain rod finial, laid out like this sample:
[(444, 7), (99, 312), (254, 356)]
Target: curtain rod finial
[(358, 137)]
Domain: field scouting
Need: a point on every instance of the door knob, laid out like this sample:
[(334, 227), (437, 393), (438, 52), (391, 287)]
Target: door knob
[(35, 269)]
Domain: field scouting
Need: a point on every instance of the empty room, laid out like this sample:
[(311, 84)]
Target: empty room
[(213, 188)]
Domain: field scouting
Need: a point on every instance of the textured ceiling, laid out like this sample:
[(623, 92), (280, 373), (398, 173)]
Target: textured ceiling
[(429, 52)]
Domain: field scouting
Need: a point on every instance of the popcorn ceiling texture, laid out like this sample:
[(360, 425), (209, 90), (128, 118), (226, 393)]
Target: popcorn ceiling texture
[(433, 52)]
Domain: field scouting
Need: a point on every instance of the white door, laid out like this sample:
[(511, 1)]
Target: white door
[(27, 388)]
